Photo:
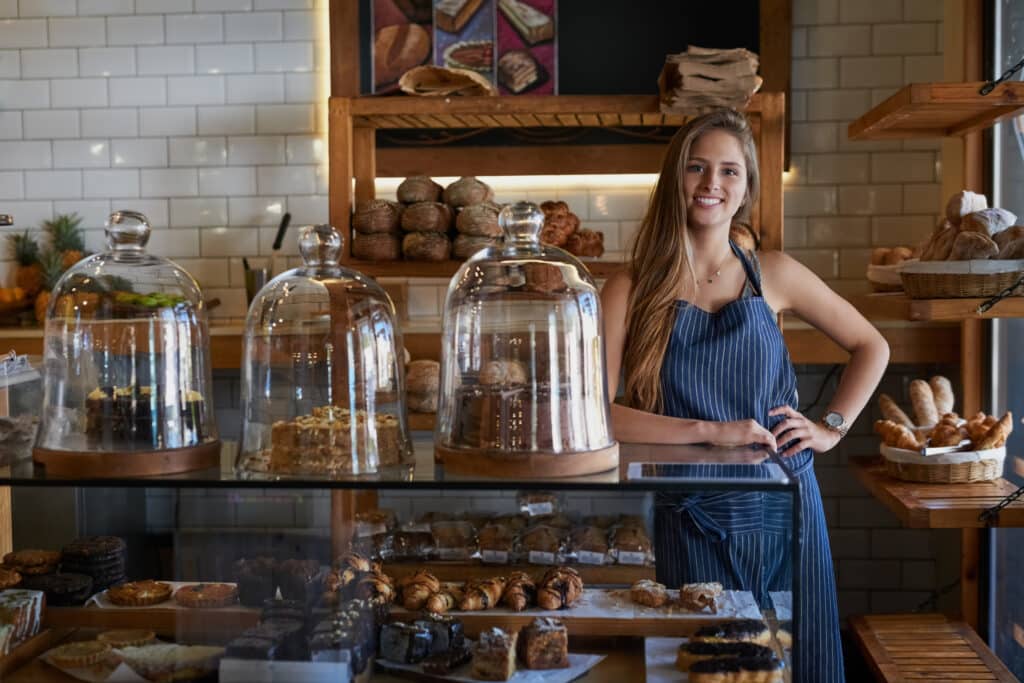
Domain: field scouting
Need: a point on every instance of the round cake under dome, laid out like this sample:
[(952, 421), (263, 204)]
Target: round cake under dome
[(323, 390), (127, 367), (522, 388)]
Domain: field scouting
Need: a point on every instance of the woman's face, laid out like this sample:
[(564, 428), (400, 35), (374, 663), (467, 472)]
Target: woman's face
[(714, 180)]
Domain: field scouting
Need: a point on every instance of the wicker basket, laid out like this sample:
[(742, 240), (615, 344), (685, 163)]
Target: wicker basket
[(885, 278), (960, 279), (974, 466)]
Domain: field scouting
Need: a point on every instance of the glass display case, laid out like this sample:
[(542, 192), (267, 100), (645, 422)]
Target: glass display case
[(522, 386), (218, 560), (323, 392), (127, 387)]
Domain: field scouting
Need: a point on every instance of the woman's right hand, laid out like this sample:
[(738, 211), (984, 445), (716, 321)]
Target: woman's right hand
[(741, 433)]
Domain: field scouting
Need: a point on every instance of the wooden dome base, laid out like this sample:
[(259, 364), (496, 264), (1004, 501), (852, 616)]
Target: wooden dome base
[(88, 465), (527, 465)]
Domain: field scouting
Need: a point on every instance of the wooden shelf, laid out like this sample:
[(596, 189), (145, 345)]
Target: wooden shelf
[(901, 307), (925, 110), (938, 506), (189, 625), (613, 574), (446, 269)]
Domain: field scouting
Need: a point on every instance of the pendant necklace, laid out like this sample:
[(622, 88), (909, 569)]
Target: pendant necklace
[(711, 278)]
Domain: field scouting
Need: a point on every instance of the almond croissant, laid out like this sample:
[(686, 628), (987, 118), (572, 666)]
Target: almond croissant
[(520, 593), (559, 588), (483, 594)]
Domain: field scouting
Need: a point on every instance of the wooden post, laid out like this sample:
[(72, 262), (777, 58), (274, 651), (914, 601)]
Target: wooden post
[(6, 530), (364, 165)]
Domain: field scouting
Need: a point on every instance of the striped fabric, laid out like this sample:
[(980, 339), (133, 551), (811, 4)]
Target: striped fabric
[(734, 365)]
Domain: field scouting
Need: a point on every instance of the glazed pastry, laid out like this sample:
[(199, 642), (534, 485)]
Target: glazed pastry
[(987, 221), (896, 435), (923, 401), (648, 593), (892, 411), (559, 588), (996, 436), (559, 223), (979, 425), (520, 593), (700, 596), (736, 631), (353, 560), (942, 393), (483, 594), (972, 245), (945, 435), (963, 203), (375, 587)]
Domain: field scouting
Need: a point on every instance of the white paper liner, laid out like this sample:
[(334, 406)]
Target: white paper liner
[(886, 275), (101, 599), (99, 673), (597, 603), (948, 458), (981, 266), (579, 665), (783, 603), (660, 655)]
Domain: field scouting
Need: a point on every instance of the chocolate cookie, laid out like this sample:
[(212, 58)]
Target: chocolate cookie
[(62, 589), (94, 548)]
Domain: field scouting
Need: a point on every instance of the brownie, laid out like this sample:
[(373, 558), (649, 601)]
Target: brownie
[(443, 663), (62, 589), (301, 580), (736, 665), (404, 643), (255, 579), (738, 630), (446, 632), (252, 647)]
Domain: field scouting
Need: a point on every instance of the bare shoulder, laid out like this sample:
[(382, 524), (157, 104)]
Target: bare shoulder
[(615, 294), (781, 276)]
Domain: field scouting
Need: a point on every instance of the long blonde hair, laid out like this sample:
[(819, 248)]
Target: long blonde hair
[(663, 256)]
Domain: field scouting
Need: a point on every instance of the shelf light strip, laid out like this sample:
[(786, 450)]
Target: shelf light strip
[(387, 186)]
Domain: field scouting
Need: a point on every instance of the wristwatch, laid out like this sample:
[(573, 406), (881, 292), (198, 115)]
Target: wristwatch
[(836, 423)]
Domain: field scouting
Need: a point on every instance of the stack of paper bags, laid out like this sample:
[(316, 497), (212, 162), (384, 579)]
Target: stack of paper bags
[(702, 79)]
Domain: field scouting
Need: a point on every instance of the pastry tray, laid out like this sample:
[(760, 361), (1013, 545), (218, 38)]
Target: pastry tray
[(611, 613), (579, 665), (100, 600)]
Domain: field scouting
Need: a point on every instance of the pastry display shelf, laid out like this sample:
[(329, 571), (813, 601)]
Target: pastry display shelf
[(938, 506), (612, 574), (445, 269), (923, 110), (899, 306)]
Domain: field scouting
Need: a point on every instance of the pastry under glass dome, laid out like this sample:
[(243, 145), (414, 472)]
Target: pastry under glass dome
[(323, 390), (522, 387), (127, 367)]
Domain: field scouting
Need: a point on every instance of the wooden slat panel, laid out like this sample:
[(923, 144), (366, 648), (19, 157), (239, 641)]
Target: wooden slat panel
[(568, 120), (506, 120), (364, 163), (609, 119), (631, 119), (398, 162), (547, 119), (527, 120), (589, 120)]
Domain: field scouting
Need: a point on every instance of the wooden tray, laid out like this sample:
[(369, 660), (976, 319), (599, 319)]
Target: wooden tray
[(526, 465), (84, 465)]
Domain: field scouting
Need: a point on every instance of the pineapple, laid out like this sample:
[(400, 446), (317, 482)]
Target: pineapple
[(52, 263), (66, 238), (29, 275)]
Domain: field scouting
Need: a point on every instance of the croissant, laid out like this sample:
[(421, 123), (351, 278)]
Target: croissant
[(892, 411), (559, 588), (979, 425), (445, 600), (417, 588), (376, 587), (945, 434), (896, 435), (354, 561), (997, 435), (520, 593), (483, 594)]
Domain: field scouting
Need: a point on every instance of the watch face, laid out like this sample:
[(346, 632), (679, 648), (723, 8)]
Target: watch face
[(834, 420)]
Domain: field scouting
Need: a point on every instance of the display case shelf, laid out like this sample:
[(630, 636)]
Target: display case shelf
[(938, 506), (619, 574), (927, 110), (445, 269)]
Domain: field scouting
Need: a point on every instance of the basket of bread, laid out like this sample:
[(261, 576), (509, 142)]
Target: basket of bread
[(975, 251), (885, 266), (937, 446)]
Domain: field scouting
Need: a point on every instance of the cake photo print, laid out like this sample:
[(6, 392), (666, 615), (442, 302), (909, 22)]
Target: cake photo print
[(464, 35), (402, 39), (527, 47)]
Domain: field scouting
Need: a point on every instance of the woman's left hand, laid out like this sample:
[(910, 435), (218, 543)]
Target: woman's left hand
[(802, 433)]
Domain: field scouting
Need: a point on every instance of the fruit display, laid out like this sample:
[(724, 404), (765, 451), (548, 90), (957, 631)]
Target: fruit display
[(66, 238), (29, 276)]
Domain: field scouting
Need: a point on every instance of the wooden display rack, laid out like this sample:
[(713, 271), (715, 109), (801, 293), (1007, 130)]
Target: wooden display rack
[(611, 574)]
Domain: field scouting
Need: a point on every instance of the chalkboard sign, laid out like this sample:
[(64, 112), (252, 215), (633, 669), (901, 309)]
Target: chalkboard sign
[(618, 48)]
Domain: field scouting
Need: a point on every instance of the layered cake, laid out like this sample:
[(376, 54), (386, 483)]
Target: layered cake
[(511, 417), (131, 417), (517, 70), (322, 443)]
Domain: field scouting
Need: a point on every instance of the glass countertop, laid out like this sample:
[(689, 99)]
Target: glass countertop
[(643, 467)]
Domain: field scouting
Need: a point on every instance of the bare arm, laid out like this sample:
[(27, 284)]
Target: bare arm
[(792, 287), (639, 426)]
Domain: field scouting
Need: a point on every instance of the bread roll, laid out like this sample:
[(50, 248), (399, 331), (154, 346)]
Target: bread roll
[(940, 244), (418, 188), (972, 245), (963, 203), (377, 215), (398, 48), (892, 411), (585, 242), (427, 217), (426, 246), (925, 414), (422, 378), (988, 221), (897, 255), (1011, 234), (467, 245), (942, 393), (467, 190), (501, 372), (479, 219), (878, 255), (380, 246), (1013, 250)]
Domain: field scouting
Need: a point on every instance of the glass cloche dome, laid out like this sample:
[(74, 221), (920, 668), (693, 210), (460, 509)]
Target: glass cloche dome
[(522, 388), (323, 391), (127, 367)]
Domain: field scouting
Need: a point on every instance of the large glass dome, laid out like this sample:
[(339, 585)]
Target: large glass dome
[(523, 390), (323, 390), (127, 367)]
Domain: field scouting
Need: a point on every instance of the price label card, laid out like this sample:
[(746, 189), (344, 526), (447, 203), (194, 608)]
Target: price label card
[(494, 556), (535, 509), (632, 558), (537, 557), (588, 557)]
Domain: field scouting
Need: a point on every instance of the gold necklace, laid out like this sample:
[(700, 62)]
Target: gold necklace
[(718, 271)]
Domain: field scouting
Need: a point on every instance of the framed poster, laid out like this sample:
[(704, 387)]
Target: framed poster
[(464, 35), (527, 51), (402, 39)]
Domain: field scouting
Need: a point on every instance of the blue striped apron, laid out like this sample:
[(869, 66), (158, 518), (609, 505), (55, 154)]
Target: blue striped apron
[(733, 365)]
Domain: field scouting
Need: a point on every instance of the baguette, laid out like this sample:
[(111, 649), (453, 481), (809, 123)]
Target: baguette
[(892, 411), (942, 392), (923, 400)]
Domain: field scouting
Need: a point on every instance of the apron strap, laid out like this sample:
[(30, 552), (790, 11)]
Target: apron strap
[(702, 521), (750, 266)]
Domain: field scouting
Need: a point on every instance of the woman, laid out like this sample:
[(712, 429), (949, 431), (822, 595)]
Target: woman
[(692, 324)]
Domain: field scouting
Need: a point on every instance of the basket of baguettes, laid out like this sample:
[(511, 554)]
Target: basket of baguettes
[(975, 251), (937, 446)]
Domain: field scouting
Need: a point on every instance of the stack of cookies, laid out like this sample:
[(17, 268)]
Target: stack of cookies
[(32, 562), (99, 557), (62, 589)]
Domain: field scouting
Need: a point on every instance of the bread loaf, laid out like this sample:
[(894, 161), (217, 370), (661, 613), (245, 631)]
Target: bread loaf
[(963, 203), (1013, 250), (502, 372), (467, 245), (988, 221), (972, 245), (923, 400), (479, 219), (426, 246), (421, 385), (891, 411), (381, 246), (398, 48), (942, 392), (427, 217), (418, 188), (941, 244), (467, 190), (377, 215), (1011, 234)]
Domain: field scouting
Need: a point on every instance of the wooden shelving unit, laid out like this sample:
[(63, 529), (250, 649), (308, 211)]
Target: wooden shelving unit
[(938, 506), (901, 307), (354, 122), (928, 110), (612, 574)]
